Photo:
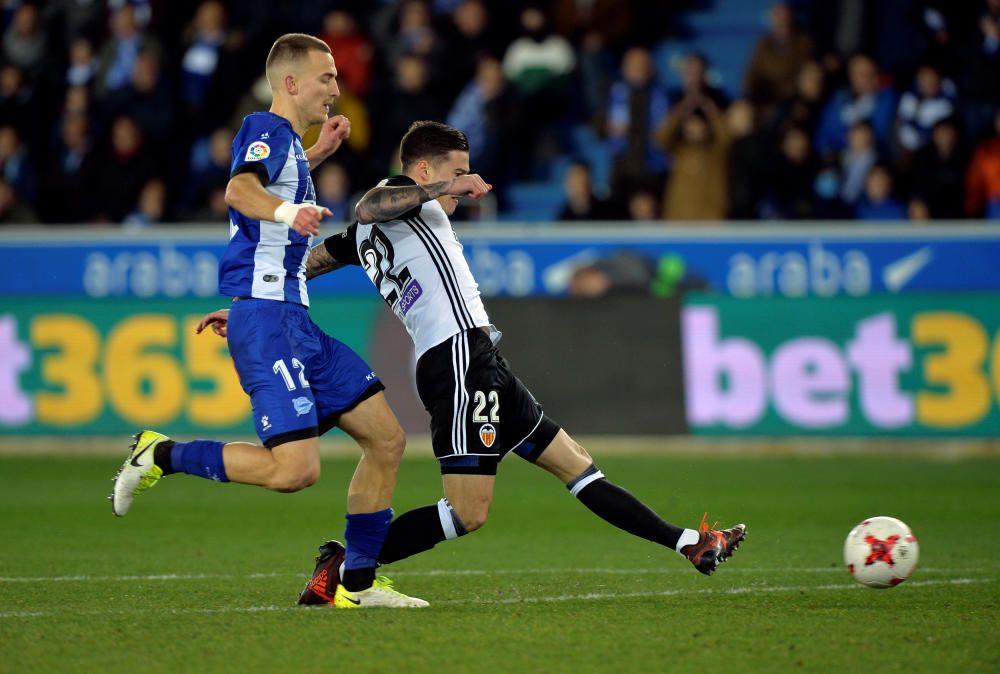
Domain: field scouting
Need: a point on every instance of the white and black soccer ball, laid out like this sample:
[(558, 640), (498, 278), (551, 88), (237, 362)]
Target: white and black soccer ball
[(881, 552)]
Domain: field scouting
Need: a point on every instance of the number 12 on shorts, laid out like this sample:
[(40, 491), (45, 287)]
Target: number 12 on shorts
[(480, 399), (282, 369)]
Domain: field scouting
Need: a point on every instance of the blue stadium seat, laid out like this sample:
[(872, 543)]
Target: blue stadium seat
[(725, 31), (534, 201)]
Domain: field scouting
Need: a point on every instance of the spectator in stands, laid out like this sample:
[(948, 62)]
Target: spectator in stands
[(207, 174), (939, 172), (856, 161), (788, 184), (409, 98), (24, 40), (693, 70), (152, 205), (414, 35), (697, 138), (905, 33), (637, 104), (917, 210), (982, 183), (622, 272), (14, 211), (125, 167), (643, 206), (15, 97), (146, 99), (878, 202), (75, 18), (16, 168), (333, 190), (600, 29), (469, 34), (82, 63), (979, 76), (538, 62), (749, 160), (353, 50), (777, 59), (580, 201), (931, 99), (488, 113), (77, 101), (805, 106), (69, 174), (863, 101), (203, 45), (118, 56)]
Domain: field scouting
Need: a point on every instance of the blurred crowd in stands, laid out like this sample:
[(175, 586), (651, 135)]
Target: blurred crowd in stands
[(123, 111)]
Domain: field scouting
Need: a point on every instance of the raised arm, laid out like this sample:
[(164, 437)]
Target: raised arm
[(334, 132), (386, 202)]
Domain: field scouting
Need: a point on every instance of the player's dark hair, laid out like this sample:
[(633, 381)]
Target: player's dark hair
[(294, 46), (431, 141)]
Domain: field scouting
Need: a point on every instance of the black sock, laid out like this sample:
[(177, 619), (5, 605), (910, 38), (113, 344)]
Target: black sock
[(618, 507), (414, 531), (355, 580), (161, 456)]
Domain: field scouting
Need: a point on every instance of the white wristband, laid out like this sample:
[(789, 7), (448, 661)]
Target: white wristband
[(287, 211)]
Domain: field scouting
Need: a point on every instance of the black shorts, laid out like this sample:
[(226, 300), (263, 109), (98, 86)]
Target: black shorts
[(479, 410)]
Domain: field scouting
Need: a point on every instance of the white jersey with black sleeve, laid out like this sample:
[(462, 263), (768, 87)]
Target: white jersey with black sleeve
[(417, 264)]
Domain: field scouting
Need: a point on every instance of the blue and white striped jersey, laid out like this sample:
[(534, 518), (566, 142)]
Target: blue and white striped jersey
[(266, 259)]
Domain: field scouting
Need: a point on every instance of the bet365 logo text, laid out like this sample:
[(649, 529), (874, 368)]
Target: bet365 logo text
[(830, 367), (103, 371)]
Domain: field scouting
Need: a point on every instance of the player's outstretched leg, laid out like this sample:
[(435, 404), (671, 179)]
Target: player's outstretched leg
[(705, 547), (139, 472)]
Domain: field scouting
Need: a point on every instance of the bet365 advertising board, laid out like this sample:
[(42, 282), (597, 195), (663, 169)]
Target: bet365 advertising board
[(883, 365), (78, 366)]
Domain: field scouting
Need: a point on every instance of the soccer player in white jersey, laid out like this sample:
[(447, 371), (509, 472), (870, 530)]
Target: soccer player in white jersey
[(479, 410), (301, 381)]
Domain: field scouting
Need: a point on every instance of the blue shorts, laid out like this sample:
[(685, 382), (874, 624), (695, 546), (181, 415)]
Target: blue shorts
[(299, 379)]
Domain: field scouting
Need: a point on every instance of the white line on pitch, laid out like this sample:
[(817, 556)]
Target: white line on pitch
[(589, 596), (433, 572)]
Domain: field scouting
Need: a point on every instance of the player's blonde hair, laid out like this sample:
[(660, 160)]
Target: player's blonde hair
[(290, 48)]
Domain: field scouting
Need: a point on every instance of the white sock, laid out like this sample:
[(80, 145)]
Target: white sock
[(689, 537)]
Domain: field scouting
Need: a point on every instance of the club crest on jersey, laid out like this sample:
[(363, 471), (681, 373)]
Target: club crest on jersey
[(487, 434), (258, 150), (302, 405)]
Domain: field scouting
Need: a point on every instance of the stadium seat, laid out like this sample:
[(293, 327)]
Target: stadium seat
[(534, 201)]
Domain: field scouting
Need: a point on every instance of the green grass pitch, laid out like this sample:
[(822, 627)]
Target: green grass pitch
[(202, 577)]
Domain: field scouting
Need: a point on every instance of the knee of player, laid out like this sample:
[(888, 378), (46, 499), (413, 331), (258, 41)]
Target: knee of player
[(290, 481), (473, 518), (389, 448)]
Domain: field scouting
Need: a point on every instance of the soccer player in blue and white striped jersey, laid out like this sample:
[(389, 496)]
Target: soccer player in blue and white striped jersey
[(301, 381)]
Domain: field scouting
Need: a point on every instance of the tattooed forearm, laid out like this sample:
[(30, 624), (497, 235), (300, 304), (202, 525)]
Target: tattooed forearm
[(320, 262), (385, 203)]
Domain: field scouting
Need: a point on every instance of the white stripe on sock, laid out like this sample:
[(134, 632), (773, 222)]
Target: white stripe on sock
[(578, 487), (447, 523)]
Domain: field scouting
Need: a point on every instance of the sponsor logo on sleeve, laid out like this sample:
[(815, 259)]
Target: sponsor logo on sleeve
[(411, 294), (258, 150)]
